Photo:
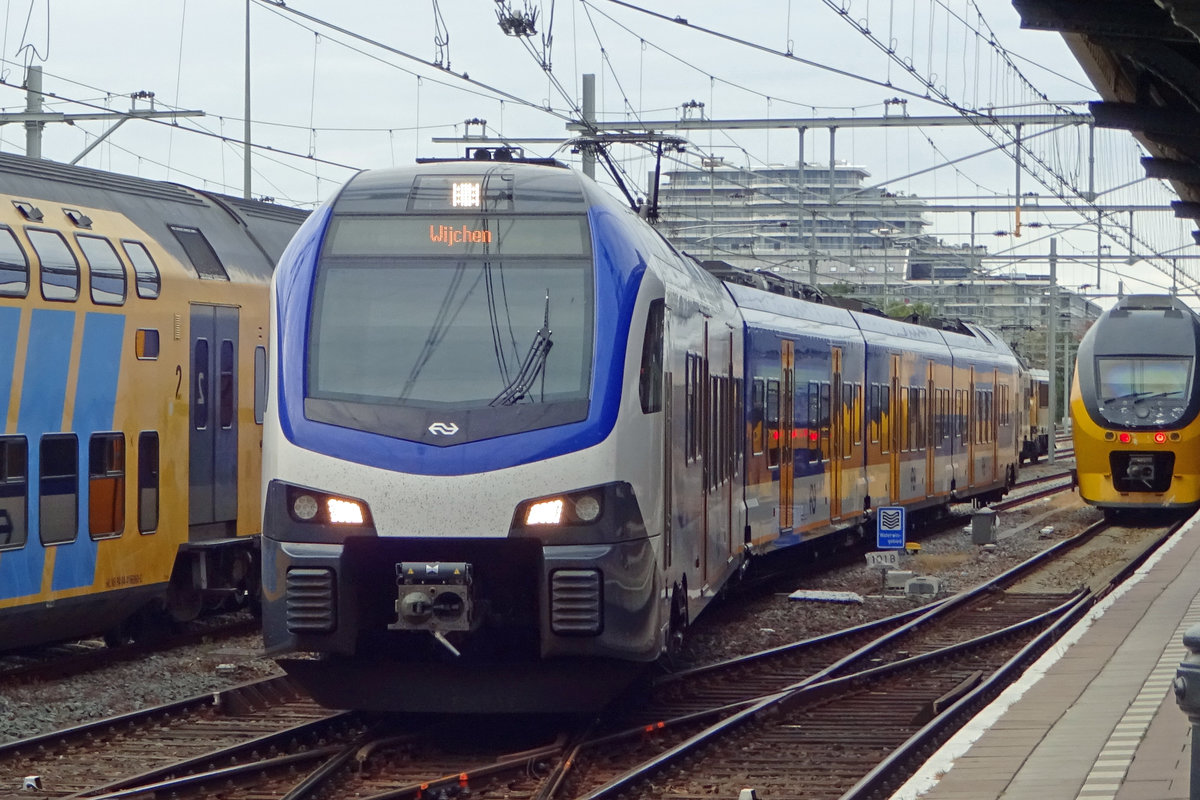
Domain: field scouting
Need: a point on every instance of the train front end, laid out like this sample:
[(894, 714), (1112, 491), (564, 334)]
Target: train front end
[(1134, 407), (444, 503)]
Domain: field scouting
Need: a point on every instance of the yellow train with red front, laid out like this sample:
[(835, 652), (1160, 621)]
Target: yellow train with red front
[(1134, 406), (133, 335)]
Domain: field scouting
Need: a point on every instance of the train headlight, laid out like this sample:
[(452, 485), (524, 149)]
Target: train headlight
[(600, 514), (307, 505), (587, 508), (576, 508), (344, 512), (545, 512)]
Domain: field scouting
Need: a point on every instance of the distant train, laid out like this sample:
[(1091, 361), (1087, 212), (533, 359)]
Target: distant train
[(1035, 440), (1134, 406), (133, 335), (516, 442)]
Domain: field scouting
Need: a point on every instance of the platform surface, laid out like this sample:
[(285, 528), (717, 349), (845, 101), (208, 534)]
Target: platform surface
[(1095, 718)]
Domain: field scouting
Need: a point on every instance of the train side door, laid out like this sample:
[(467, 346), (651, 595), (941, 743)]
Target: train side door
[(731, 433), (894, 430), (994, 419), (972, 432), (702, 407), (668, 437), (929, 409), (787, 427), (837, 424), (718, 481), (212, 454)]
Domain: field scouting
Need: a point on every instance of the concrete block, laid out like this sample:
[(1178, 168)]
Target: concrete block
[(923, 585)]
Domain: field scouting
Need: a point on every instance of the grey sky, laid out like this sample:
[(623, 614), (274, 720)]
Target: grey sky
[(351, 104)]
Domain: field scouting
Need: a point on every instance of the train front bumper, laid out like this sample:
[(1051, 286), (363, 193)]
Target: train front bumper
[(515, 598)]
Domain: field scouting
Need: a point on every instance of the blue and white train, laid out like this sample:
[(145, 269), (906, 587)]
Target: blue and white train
[(516, 442)]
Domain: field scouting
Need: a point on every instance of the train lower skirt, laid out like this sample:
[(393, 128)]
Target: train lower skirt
[(568, 685)]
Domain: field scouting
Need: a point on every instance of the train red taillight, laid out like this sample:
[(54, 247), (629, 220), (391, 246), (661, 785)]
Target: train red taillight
[(1125, 438), (1160, 437)]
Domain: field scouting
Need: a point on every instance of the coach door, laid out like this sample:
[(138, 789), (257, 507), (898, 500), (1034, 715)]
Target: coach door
[(894, 426), (837, 444), (972, 426), (993, 424), (931, 434), (212, 459), (787, 427)]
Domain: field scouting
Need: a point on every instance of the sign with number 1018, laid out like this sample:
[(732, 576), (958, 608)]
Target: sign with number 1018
[(884, 559)]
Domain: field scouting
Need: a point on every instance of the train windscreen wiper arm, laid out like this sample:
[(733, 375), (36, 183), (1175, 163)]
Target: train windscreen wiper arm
[(532, 365)]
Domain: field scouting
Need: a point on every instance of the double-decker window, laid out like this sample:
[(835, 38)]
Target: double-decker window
[(14, 265), (60, 270)]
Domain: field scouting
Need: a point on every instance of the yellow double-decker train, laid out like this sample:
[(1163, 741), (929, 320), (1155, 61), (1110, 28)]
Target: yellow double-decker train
[(1134, 407), (132, 366)]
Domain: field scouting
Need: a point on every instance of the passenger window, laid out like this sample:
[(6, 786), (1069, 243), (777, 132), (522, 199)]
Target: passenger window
[(826, 405), (14, 491), (147, 481), (106, 485), (857, 416), (60, 270), (227, 384), (773, 432), (144, 269), (14, 265), (260, 383), (58, 489), (847, 416), (107, 271), (812, 423), (885, 419), (200, 385), (757, 415), (200, 252), (145, 344), (874, 413), (650, 383)]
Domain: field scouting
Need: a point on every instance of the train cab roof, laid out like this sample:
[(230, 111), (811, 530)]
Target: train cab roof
[(428, 187), (1145, 323), (1165, 303)]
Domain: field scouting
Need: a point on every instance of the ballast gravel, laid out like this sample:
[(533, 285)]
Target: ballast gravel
[(30, 708)]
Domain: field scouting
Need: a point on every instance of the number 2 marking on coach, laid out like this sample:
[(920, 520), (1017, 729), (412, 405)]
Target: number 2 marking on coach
[(178, 380)]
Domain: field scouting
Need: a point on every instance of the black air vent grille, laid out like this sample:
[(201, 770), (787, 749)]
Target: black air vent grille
[(576, 602), (311, 600)]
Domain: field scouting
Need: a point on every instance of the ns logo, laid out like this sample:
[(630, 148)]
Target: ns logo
[(443, 429)]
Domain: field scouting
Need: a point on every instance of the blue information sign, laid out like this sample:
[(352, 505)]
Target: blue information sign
[(890, 532)]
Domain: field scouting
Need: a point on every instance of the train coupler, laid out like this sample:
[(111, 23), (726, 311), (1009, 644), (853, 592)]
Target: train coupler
[(434, 597)]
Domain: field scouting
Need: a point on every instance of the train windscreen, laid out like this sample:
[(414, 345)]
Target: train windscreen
[(1133, 378), (475, 315), (1137, 390)]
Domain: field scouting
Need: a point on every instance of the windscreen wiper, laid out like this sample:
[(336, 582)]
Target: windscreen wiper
[(532, 365)]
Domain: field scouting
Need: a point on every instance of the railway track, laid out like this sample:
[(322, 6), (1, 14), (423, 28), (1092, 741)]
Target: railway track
[(860, 725), (168, 746), (846, 699), (840, 716), (72, 658)]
